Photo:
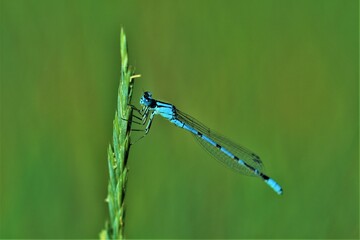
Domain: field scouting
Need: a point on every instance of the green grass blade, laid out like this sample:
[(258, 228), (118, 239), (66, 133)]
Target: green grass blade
[(119, 150)]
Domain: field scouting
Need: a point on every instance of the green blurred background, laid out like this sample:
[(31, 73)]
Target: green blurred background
[(277, 76)]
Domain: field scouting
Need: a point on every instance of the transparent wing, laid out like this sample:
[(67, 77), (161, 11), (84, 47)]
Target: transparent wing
[(241, 152)]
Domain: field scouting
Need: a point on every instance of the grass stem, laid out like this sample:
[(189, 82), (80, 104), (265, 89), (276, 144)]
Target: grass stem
[(118, 151)]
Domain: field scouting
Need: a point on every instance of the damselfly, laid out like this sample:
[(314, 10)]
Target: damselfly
[(232, 155)]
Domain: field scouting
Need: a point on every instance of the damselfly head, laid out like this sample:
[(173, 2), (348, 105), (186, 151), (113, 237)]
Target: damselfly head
[(148, 95), (146, 99)]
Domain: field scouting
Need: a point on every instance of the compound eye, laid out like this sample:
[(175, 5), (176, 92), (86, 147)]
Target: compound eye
[(147, 94)]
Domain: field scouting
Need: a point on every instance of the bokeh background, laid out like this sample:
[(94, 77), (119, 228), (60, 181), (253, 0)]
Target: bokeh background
[(277, 76)]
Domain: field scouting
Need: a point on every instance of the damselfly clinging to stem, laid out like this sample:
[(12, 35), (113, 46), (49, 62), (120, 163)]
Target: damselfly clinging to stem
[(234, 156)]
